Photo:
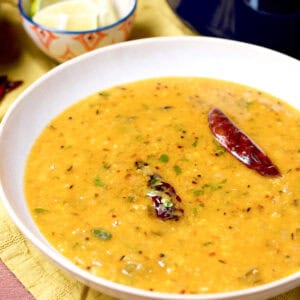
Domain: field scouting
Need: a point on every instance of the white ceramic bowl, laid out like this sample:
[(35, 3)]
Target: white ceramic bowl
[(181, 56), (62, 45)]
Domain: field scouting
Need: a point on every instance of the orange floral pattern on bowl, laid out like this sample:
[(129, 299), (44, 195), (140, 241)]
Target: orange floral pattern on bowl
[(62, 46)]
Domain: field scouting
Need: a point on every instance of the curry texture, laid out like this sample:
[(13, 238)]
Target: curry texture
[(90, 199)]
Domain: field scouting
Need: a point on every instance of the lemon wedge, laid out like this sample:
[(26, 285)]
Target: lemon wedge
[(74, 15), (37, 5), (107, 13)]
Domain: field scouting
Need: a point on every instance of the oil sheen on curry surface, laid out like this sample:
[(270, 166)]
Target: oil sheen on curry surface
[(88, 185)]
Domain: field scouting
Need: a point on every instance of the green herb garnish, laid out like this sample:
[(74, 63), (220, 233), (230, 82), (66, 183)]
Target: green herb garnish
[(195, 211), (130, 198), (105, 166), (216, 186), (220, 150), (195, 143), (101, 234), (40, 210), (75, 245), (177, 170), (97, 181), (164, 158), (154, 180), (104, 94), (198, 192)]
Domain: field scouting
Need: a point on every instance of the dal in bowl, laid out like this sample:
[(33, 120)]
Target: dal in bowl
[(140, 194)]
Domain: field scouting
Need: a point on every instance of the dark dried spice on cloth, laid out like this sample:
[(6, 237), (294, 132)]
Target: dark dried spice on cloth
[(6, 85)]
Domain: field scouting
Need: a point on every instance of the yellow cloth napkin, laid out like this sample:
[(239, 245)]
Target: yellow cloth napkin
[(20, 59)]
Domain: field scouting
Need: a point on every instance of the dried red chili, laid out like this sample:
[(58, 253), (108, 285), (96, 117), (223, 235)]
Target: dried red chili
[(165, 199), (239, 144), (166, 202), (6, 86)]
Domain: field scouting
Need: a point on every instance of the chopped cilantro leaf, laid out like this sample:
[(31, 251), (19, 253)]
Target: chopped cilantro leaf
[(101, 234), (198, 192), (97, 181), (40, 210), (105, 166), (177, 170), (104, 94), (164, 158), (195, 143)]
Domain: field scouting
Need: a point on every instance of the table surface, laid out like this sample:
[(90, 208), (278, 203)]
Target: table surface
[(10, 286)]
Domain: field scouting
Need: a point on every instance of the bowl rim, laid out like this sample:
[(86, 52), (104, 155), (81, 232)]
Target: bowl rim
[(72, 32), (79, 273)]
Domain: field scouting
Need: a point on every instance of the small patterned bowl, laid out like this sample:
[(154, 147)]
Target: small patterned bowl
[(62, 45)]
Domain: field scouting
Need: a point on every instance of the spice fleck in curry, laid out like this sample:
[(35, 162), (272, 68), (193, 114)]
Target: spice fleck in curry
[(93, 175)]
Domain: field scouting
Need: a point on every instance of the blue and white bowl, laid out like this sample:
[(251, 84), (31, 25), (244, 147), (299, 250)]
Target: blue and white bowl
[(62, 45)]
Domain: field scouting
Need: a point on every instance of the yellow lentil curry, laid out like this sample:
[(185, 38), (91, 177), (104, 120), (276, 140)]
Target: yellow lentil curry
[(87, 185)]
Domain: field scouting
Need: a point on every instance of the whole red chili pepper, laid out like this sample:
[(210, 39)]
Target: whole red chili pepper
[(160, 191), (239, 144), (166, 202), (7, 86)]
